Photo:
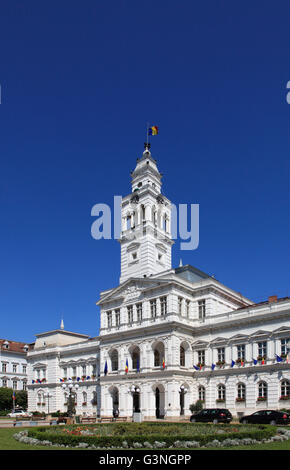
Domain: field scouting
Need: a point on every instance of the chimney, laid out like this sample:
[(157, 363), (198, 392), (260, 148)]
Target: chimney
[(272, 298)]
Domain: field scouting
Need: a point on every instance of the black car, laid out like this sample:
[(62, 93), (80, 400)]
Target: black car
[(266, 417), (212, 415)]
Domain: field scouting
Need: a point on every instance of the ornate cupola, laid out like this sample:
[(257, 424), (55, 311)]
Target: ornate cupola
[(146, 223)]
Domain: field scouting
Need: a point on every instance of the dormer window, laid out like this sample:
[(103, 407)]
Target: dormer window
[(25, 348), (5, 345)]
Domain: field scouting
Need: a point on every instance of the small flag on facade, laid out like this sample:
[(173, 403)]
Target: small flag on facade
[(153, 130), (78, 379), (13, 395), (255, 361), (242, 362), (195, 367), (263, 361), (163, 364), (127, 367), (106, 368), (138, 366), (213, 367), (279, 359), (233, 363)]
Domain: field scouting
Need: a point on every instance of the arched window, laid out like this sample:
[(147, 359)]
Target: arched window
[(201, 393), (182, 356), (221, 392), (262, 391), (136, 359), (285, 389), (241, 392), (156, 358), (114, 360)]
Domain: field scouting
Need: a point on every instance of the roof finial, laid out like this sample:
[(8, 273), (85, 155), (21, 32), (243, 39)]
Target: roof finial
[(61, 325), (180, 263)]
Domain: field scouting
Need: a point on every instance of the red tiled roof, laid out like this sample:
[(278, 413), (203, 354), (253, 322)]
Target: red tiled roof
[(14, 346)]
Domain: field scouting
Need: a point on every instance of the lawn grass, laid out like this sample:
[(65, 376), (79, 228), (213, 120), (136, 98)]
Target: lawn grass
[(7, 442)]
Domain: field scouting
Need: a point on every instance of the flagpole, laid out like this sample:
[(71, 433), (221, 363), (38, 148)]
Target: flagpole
[(147, 137)]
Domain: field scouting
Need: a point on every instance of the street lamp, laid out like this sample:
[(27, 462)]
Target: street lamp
[(71, 389), (48, 396)]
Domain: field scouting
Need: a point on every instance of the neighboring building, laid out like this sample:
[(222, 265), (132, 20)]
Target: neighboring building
[(168, 337), (13, 364)]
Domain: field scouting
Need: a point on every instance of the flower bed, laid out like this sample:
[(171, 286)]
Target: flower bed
[(131, 435)]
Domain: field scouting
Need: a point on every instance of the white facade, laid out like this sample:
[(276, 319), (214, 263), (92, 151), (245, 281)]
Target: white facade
[(13, 364), (168, 337)]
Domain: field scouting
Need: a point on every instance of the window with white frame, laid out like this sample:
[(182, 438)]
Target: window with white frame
[(201, 393), (14, 384), (262, 390), (130, 314), (285, 342), (4, 382), (4, 367), (163, 306), (221, 392), (24, 385), (241, 349), (201, 309), (24, 368), (117, 317), (14, 368), (262, 349), (139, 312), (221, 354), (285, 389), (109, 319), (153, 308), (201, 357), (180, 305), (187, 307), (241, 391)]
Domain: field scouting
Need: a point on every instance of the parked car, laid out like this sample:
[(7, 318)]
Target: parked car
[(266, 417), (212, 415), (19, 414)]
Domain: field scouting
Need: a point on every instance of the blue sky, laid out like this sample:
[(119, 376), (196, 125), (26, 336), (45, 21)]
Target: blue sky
[(79, 82)]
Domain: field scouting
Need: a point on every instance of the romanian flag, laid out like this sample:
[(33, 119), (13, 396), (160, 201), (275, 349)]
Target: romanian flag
[(242, 362), (13, 395), (126, 367), (263, 361), (163, 364), (153, 130)]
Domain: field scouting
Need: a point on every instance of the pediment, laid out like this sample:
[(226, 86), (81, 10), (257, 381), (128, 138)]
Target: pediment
[(39, 365), (199, 344), (238, 338), (131, 290), (260, 333)]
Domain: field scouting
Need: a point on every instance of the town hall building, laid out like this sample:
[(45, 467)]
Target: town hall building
[(168, 336)]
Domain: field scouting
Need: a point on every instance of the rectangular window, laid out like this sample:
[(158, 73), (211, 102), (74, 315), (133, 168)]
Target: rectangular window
[(221, 355), (285, 344), (130, 314), (139, 312), (14, 384), (14, 368), (153, 308), (163, 306), (24, 385), (4, 367), (201, 309), (84, 369), (241, 351), (109, 319), (187, 306), (180, 302), (24, 369), (4, 383), (64, 372), (201, 357), (262, 349), (117, 317)]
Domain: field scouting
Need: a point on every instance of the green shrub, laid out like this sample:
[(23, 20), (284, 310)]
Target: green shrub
[(56, 436)]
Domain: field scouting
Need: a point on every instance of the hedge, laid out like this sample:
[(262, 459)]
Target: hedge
[(257, 432)]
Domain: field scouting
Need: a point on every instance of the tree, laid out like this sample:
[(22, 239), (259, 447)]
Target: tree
[(6, 402), (21, 399), (196, 407)]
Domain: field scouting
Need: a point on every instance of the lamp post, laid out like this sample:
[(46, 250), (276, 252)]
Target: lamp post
[(71, 389), (48, 396), (135, 391), (182, 391)]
